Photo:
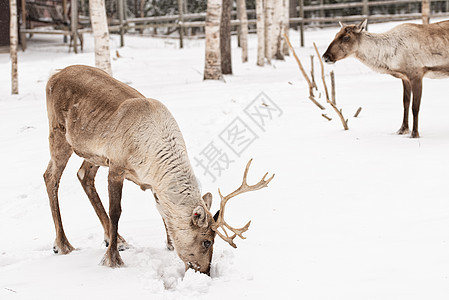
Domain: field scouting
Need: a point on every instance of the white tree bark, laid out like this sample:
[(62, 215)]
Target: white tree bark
[(13, 34), (269, 14), (212, 68), (241, 4), (278, 28), (285, 49), (101, 35), (425, 10), (260, 33)]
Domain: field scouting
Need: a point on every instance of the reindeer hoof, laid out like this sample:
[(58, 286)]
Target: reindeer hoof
[(112, 259), (415, 134), (403, 130), (122, 245), (63, 248), (170, 247)]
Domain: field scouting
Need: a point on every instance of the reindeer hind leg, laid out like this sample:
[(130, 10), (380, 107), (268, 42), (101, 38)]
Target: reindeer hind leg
[(60, 152), (407, 89), (86, 175)]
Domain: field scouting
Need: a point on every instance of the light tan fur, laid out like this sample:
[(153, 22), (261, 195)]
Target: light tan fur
[(408, 51), (110, 124)]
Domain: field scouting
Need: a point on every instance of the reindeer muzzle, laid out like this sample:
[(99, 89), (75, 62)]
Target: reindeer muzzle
[(328, 58), (197, 268)]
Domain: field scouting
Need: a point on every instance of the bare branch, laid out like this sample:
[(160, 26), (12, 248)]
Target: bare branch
[(357, 112), (312, 98), (333, 91), (343, 121), (326, 117), (309, 82), (312, 72), (322, 72)]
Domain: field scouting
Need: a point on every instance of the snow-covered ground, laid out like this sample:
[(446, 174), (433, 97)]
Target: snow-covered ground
[(358, 214)]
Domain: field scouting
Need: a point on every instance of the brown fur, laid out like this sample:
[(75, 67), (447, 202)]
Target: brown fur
[(408, 52)]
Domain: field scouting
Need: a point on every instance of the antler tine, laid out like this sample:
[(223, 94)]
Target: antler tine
[(244, 187), (245, 174)]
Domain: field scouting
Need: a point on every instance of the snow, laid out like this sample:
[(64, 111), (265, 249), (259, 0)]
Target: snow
[(358, 214)]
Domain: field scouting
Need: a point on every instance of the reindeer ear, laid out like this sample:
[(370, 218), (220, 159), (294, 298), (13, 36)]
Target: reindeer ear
[(341, 24), (216, 215), (207, 198), (362, 26), (199, 217)]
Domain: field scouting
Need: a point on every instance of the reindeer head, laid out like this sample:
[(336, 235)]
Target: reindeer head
[(195, 245), (345, 43), (194, 242)]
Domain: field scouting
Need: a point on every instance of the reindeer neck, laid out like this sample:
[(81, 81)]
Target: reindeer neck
[(162, 163), (376, 51), (177, 206), (174, 176)]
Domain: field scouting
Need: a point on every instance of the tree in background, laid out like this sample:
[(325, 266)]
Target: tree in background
[(243, 17), (212, 68), (278, 30), (225, 37), (275, 15), (260, 32), (268, 40), (101, 35), (286, 4), (425, 11), (13, 33)]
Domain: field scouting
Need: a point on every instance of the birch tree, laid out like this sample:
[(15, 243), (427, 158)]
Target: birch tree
[(13, 34), (260, 33), (278, 28), (286, 8), (243, 17), (212, 68), (225, 37), (101, 35), (425, 10), (268, 14)]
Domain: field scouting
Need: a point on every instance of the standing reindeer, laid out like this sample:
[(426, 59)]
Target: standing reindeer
[(110, 124), (408, 51)]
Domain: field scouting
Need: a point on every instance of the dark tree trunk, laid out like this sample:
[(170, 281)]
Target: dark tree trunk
[(225, 37), (292, 9)]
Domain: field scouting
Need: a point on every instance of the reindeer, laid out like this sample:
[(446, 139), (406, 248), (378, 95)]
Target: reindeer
[(408, 51), (110, 124)]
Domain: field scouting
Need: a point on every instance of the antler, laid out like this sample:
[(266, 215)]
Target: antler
[(221, 223)]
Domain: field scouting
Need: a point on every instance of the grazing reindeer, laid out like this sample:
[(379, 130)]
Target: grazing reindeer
[(110, 124), (408, 51)]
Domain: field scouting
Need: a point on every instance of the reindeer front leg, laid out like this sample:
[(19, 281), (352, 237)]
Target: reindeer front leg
[(115, 184), (406, 100), (169, 239)]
